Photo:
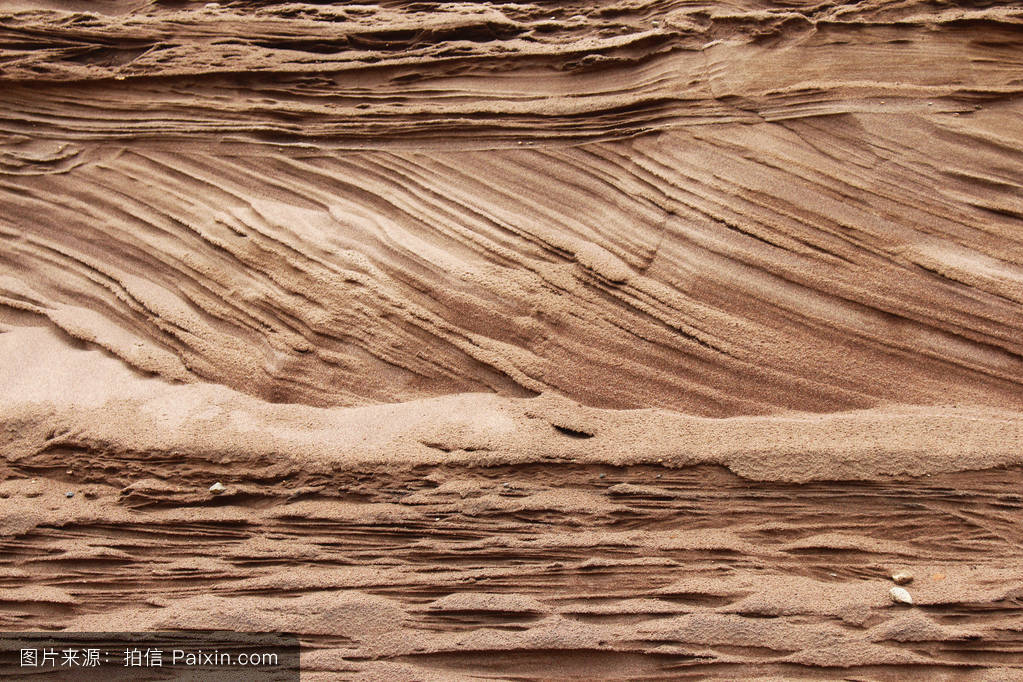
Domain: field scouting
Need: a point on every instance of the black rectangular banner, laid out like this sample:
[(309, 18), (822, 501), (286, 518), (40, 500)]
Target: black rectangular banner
[(193, 655)]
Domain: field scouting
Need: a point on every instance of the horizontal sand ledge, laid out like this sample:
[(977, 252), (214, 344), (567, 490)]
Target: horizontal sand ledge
[(61, 398)]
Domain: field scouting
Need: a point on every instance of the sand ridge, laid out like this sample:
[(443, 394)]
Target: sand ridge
[(132, 418)]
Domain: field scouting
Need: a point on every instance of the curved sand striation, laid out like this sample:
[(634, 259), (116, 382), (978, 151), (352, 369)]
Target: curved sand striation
[(630, 340), (676, 270)]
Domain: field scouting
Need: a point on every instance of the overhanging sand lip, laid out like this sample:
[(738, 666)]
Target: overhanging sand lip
[(124, 415)]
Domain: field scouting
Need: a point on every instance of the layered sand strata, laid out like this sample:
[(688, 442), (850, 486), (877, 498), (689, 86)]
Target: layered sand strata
[(626, 340)]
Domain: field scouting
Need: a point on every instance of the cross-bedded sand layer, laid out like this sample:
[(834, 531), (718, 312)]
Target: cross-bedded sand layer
[(624, 340)]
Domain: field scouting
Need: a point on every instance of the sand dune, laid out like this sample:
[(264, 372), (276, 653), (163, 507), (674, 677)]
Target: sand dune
[(621, 340)]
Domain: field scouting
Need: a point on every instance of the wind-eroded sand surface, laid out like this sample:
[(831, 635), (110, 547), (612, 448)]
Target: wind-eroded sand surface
[(614, 340)]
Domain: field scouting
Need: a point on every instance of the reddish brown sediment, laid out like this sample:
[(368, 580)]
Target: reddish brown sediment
[(625, 340)]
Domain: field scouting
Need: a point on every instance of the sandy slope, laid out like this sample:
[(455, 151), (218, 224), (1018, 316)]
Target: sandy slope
[(536, 341)]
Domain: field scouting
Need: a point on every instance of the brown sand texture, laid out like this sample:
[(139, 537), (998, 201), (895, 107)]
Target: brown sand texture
[(613, 340)]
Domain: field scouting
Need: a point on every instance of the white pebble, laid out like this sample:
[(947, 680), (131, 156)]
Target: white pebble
[(902, 577), (900, 596), (217, 488)]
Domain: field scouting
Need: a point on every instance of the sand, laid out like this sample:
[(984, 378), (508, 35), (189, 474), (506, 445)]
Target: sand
[(619, 340)]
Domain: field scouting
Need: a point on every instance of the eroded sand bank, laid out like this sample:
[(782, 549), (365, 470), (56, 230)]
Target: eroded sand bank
[(535, 341)]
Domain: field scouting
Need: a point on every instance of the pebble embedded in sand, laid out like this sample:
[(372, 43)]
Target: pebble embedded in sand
[(902, 577), (217, 488), (900, 596), (69, 494)]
